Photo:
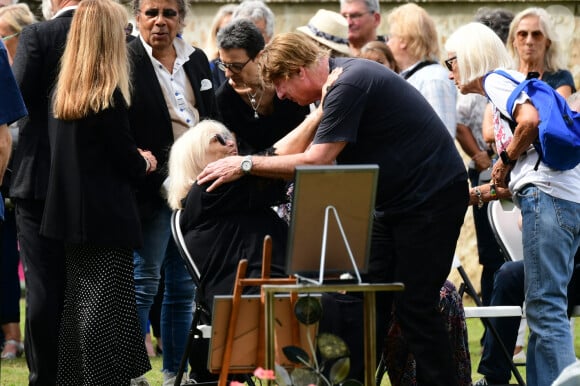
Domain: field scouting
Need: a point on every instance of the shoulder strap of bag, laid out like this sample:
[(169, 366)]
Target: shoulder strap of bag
[(419, 66), (520, 86)]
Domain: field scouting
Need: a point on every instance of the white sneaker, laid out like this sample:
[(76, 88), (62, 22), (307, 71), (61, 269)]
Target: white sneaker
[(170, 381), (139, 381)]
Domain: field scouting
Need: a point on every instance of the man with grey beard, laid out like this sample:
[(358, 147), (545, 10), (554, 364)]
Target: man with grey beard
[(35, 68)]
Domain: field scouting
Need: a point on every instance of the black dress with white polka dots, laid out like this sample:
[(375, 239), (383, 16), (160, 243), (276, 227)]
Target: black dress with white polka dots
[(100, 341)]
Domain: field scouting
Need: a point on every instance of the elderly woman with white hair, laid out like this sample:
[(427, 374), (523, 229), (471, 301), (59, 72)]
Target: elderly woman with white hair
[(229, 224), (548, 198), (226, 225)]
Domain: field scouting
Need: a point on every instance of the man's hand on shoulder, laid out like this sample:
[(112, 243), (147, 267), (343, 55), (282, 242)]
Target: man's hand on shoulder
[(221, 171)]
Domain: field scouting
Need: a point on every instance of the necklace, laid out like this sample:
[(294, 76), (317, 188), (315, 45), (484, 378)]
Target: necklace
[(255, 105)]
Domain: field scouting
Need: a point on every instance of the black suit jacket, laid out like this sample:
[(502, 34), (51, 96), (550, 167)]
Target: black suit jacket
[(94, 166), (150, 120), (35, 67)]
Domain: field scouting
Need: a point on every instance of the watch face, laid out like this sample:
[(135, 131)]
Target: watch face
[(246, 165)]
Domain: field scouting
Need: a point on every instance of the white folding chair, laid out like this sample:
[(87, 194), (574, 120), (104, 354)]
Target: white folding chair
[(200, 325), (504, 218)]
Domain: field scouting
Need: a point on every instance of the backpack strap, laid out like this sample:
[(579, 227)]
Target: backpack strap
[(510, 104), (419, 66)]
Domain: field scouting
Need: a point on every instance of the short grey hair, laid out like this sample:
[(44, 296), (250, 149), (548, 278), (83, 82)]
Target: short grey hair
[(256, 10), (552, 59), (372, 5), (498, 19), (478, 49)]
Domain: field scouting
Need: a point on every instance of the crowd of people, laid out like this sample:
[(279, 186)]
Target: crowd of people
[(112, 132)]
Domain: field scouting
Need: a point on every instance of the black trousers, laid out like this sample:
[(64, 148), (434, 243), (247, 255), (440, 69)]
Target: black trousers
[(417, 249), (44, 272)]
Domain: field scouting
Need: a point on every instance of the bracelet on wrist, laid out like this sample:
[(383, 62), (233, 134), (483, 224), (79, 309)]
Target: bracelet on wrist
[(479, 197), (148, 167), (492, 191)]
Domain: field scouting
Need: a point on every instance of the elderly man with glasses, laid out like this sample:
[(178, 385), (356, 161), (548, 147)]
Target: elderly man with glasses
[(363, 17)]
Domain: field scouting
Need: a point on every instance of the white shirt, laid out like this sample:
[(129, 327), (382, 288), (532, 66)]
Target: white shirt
[(563, 184), (176, 88), (434, 84)]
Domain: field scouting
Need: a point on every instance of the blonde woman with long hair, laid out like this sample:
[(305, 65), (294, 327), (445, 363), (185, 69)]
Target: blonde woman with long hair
[(90, 202)]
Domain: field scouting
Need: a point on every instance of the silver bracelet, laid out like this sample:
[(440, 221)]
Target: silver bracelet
[(479, 197), (148, 164)]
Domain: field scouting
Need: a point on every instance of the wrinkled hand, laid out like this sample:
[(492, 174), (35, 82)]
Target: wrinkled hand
[(332, 77), (221, 171), (499, 174), (150, 158), (482, 161)]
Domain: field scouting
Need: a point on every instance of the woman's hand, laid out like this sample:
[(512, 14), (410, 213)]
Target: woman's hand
[(221, 171), (332, 77), (481, 194), (482, 160), (499, 173), (149, 159)]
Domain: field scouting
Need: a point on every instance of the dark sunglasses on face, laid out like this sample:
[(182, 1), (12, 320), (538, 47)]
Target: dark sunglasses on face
[(167, 13), (236, 68), (449, 63), (221, 138)]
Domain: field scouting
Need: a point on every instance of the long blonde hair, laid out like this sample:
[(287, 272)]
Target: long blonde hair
[(94, 62), (188, 157)]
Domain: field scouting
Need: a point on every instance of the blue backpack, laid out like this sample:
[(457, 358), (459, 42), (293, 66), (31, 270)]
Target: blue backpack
[(558, 143)]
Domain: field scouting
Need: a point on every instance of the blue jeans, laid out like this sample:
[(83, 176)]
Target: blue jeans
[(551, 235), (160, 252)]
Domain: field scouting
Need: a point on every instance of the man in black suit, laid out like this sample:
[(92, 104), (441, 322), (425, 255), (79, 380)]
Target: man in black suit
[(172, 91), (35, 68)]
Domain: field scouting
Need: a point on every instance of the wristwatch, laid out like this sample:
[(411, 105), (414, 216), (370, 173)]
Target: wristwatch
[(247, 164), (505, 159)]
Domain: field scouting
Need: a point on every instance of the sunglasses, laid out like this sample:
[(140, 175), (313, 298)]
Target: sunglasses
[(449, 63), (6, 38), (236, 68), (221, 138), (166, 13)]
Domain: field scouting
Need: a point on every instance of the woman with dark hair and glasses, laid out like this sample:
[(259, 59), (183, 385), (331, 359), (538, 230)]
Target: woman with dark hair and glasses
[(250, 108)]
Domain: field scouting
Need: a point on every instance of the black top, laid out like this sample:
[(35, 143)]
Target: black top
[(559, 78), (35, 68), (256, 135), (94, 163), (386, 121), (150, 120), (229, 224)]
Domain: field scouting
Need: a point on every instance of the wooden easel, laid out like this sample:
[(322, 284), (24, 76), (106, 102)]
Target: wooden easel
[(240, 283)]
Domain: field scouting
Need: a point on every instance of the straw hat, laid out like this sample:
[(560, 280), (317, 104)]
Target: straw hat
[(328, 28)]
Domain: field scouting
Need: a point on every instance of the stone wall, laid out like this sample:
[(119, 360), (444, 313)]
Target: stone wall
[(448, 15)]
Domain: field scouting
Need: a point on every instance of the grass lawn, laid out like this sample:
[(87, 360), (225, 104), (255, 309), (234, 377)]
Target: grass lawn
[(15, 373)]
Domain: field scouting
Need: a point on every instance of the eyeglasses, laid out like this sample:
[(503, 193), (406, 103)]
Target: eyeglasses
[(449, 63), (355, 16), (166, 13), (222, 138), (523, 35), (5, 38), (236, 68)]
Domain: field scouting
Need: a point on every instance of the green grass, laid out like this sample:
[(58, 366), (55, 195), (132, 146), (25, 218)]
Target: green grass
[(15, 372)]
